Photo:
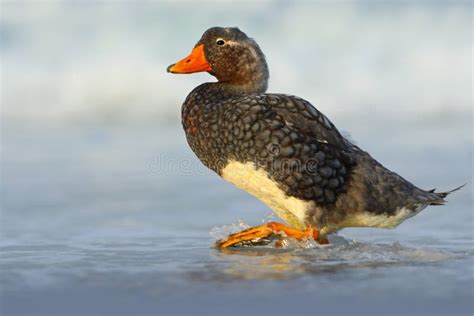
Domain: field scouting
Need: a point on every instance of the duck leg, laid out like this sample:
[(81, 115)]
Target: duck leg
[(255, 234)]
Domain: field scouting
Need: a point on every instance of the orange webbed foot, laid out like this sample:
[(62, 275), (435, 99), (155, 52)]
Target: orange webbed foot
[(256, 234)]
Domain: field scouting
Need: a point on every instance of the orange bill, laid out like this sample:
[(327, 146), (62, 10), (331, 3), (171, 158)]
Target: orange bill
[(194, 62)]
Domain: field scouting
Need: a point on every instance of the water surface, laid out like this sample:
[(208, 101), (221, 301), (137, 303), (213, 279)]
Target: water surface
[(112, 225)]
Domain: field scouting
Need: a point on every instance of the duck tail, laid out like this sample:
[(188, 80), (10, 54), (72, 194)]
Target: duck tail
[(442, 195)]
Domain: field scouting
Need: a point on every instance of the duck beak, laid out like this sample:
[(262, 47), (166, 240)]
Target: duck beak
[(194, 62)]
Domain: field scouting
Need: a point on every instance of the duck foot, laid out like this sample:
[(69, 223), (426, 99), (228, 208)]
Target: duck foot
[(266, 233)]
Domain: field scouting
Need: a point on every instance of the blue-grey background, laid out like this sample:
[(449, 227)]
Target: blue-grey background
[(106, 211)]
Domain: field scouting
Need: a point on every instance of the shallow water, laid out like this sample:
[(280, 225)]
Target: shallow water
[(179, 275), (112, 225)]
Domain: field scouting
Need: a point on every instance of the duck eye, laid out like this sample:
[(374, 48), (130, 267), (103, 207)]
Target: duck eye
[(220, 42)]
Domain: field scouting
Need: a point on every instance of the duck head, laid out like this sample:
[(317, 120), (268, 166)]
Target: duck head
[(231, 56)]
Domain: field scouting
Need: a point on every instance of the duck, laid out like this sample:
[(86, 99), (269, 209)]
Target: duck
[(285, 152)]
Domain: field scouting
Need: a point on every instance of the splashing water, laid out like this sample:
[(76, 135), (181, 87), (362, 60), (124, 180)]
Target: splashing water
[(339, 250), (221, 232)]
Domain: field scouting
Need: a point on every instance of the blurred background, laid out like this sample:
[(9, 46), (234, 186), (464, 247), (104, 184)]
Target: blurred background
[(100, 192)]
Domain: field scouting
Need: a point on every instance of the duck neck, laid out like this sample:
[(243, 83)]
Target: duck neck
[(242, 88), (251, 80)]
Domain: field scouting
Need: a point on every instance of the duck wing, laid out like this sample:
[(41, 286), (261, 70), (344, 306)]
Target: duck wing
[(376, 189), (302, 115)]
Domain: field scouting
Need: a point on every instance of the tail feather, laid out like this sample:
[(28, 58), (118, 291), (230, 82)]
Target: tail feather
[(442, 195)]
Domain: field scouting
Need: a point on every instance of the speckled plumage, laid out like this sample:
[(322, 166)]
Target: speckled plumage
[(263, 128), (297, 147)]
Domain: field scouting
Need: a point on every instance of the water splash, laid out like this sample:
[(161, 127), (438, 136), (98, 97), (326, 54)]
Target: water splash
[(340, 250), (221, 232)]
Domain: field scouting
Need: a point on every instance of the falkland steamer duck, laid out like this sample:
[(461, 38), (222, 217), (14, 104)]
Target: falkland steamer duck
[(285, 152)]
